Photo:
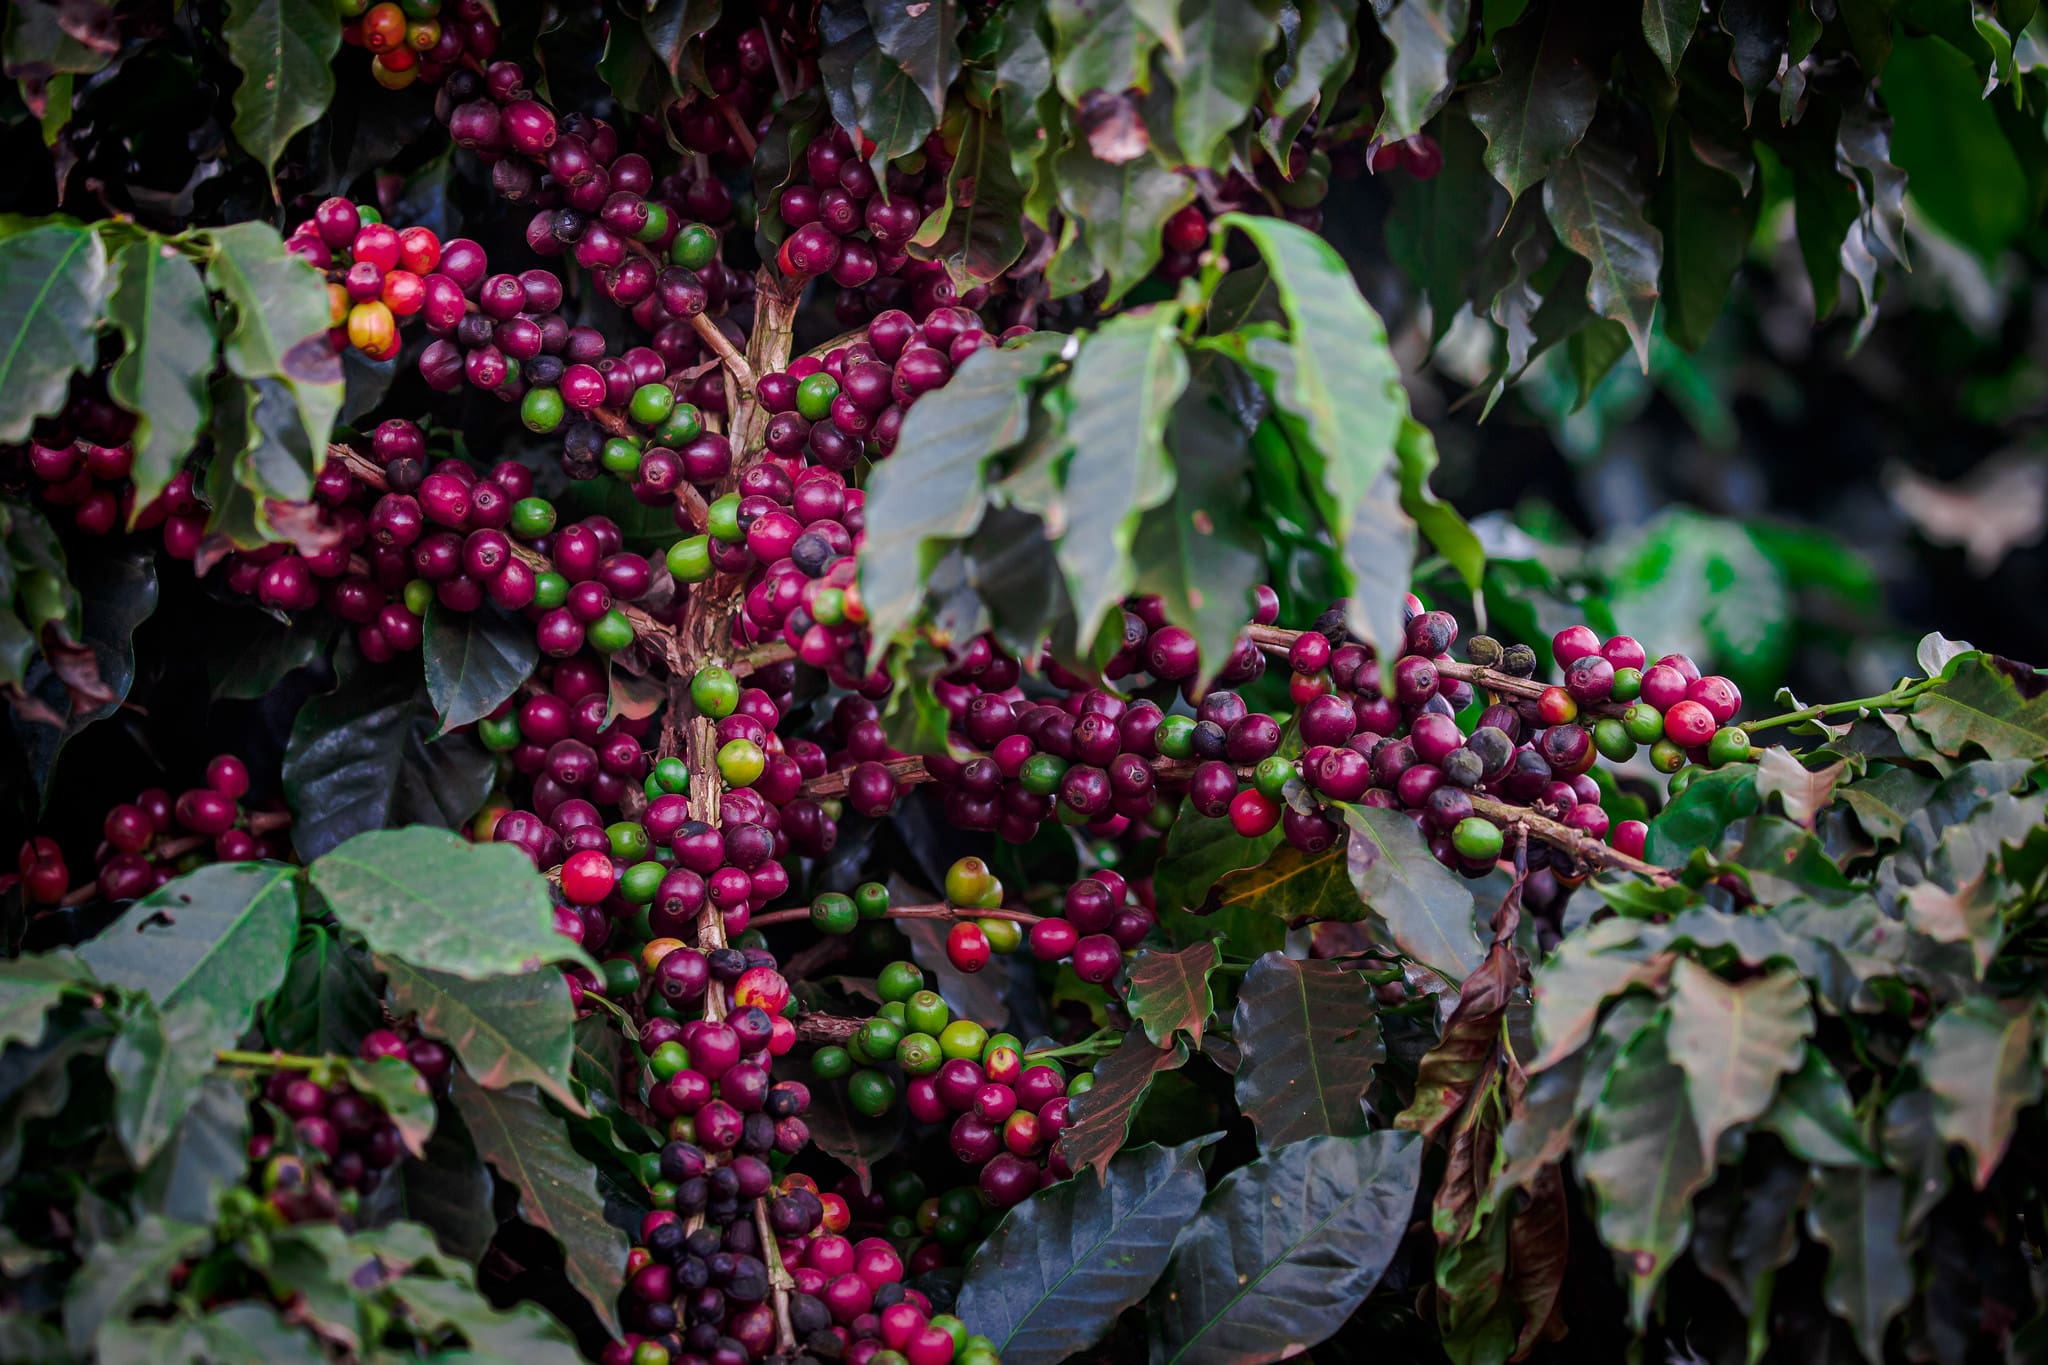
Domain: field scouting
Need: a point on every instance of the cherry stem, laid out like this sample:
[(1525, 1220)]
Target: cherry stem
[(1898, 696), (274, 1061)]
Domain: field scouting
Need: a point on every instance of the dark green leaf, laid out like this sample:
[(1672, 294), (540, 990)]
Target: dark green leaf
[(1098, 45), (507, 1030), (1199, 551), (1292, 887), (1706, 221), (1667, 27), (529, 1147), (1311, 1038), (1285, 1249), (159, 303), (930, 494), (157, 1063), (1596, 207), (1446, 531), (1169, 992), (870, 94), (1121, 209), (1859, 1216), (361, 758), (1125, 383), (1642, 1159), (279, 304), (1746, 1226), (1425, 35), (208, 1153), (443, 903), (329, 1000), (1218, 72), (1102, 1115), (117, 592), (282, 48), (1197, 854), (983, 232), (1814, 1117), (475, 660), (1538, 108), (1321, 58), (53, 285), (1427, 908), (1061, 1266), (854, 1140), (30, 986), (1978, 1058), (673, 28), (1439, 228), (1698, 816), (1757, 33), (1981, 707), (221, 935), (1734, 1042), (923, 40), (125, 1273), (449, 1191), (1965, 175), (401, 1092)]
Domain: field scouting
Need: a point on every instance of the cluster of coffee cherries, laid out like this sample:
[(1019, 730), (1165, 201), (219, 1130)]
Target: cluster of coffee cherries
[(841, 220), (795, 538), (377, 275), (931, 1229), (148, 841), (1005, 1110), (82, 460), (417, 40)]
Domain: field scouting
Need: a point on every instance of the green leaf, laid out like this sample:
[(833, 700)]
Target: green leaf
[(1121, 210), (1642, 1159), (279, 305), (984, 231), (475, 660), (31, 986), (1199, 551), (1859, 1216), (1321, 60), (1102, 1115), (1292, 887), (1667, 27), (282, 48), (853, 1140), (870, 94), (507, 1030), (1098, 45), (1593, 965), (124, 1273), (1425, 35), (1169, 992), (929, 494), (1698, 816), (1534, 113), (1197, 853), (1706, 221), (1965, 175), (157, 1063), (221, 935), (1596, 207), (208, 1153), (401, 1092), (159, 303), (1426, 907), (673, 28), (1439, 228), (1125, 383), (1734, 1042), (1340, 379), (362, 758), (1978, 1058), (1310, 1035), (1446, 530), (1982, 707), (1218, 72), (329, 1002), (449, 1191), (1814, 1117), (1285, 1249), (1054, 1275), (440, 902), (923, 40), (1757, 31), (1745, 1227), (53, 284), (529, 1148)]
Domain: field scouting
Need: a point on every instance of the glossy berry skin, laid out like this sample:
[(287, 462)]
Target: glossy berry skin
[(1253, 814), (967, 947), (1689, 724)]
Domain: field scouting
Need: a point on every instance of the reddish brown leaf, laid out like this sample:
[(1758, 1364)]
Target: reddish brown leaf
[(306, 525), (1539, 1251), (78, 668), (1102, 1117), (1114, 128), (1454, 1068), (1170, 991)]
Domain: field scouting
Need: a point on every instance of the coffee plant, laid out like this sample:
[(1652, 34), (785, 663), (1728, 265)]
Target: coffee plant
[(694, 683)]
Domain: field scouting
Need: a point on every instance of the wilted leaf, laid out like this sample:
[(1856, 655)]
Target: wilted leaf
[(1470, 1040)]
